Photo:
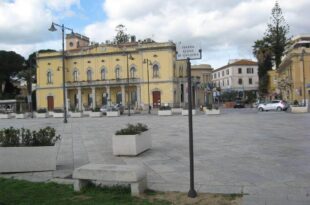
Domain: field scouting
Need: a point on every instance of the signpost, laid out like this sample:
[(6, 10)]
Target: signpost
[(187, 51)]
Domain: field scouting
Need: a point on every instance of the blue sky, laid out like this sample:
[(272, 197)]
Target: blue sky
[(226, 29)]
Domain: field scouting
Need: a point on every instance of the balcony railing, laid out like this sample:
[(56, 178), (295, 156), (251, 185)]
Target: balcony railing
[(120, 81)]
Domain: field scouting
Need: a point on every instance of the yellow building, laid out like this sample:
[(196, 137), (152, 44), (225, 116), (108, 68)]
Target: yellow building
[(135, 73), (294, 71), (273, 90), (202, 76)]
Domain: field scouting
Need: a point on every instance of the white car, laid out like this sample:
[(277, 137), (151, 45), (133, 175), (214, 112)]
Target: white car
[(277, 105)]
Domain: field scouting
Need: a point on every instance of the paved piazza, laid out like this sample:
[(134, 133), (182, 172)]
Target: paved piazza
[(266, 155)]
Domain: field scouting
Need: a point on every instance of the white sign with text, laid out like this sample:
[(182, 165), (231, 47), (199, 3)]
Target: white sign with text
[(188, 50)]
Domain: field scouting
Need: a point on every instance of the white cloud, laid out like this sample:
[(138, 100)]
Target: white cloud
[(26, 22), (226, 29)]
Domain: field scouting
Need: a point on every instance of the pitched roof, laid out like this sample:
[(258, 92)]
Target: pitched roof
[(241, 62)]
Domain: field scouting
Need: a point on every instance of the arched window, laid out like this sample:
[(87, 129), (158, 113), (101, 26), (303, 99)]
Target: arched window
[(75, 75), (49, 77), (117, 73), (103, 72), (181, 71), (155, 71), (132, 72), (89, 75)]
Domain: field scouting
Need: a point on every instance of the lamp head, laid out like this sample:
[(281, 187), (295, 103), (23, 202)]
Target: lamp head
[(52, 28)]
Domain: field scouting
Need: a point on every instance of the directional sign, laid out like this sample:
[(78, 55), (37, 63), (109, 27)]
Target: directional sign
[(188, 51)]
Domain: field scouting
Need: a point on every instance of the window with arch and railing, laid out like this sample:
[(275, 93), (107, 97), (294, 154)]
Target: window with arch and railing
[(89, 75), (132, 72), (75, 75), (155, 71), (103, 74), (117, 73), (49, 77)]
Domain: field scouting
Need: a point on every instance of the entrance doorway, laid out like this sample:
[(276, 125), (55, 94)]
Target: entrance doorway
[(156, 99), (50, 103)]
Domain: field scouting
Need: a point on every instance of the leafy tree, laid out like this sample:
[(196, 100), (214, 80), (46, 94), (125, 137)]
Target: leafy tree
[(121, 36), (10, 64), (276, 34), (270, 49)]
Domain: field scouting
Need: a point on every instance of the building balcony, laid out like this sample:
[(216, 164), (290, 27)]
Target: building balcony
[(111, 82)]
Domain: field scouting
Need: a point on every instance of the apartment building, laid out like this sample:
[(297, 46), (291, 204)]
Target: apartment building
[(238, 75)]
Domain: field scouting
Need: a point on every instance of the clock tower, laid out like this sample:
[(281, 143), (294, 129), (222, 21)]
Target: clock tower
[(75, 41)]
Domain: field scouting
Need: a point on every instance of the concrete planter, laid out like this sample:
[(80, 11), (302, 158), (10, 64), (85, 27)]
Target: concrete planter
[(42, 115), (87, 113), (164, 112), (212, 112), (58, 115), (21, 116), (95, 114), (27, 159), (6, 116), (76, 114), (131, 145), (113, 113), (185, 112), (176, 110), (299, 109)]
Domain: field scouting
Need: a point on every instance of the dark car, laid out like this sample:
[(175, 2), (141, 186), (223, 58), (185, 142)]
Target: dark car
[(239, 104)]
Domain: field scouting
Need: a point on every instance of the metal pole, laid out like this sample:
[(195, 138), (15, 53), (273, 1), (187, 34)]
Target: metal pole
[(128, 87), (191, 193), (63, 73), (30, 88), (148, 85), (303, 72)]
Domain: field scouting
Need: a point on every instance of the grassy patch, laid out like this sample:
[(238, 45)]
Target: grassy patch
[(18, 192)]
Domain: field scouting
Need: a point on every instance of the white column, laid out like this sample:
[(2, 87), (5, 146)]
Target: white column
[(123, 95), (80, 99), (109, 96), (138, 95), (93, 92)]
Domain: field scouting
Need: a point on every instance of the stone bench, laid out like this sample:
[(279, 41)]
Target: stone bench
[(112, 175)]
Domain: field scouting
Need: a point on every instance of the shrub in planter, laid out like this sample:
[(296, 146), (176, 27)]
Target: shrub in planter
[(166, 107), (11, 137), (22, 150), (42, 110), (132, 140), (132, 129), (58, 111)]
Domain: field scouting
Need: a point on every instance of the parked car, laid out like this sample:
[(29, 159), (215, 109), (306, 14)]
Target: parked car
[(239, 104), (277, 105), (117, 107)]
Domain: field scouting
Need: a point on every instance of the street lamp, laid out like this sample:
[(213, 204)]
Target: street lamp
[(128, 103), (52, 29), (303, 72), (148, 62), (29, 83)]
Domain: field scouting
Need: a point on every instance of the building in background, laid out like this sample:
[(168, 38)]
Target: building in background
[(294, 71), (110, 73), (202, 81), (238, 75), (273, 91)]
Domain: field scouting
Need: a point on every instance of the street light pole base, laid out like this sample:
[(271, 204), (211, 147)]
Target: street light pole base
[(192, 193), (65, 121)]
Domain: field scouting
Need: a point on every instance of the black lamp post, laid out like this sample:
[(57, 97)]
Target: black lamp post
[(29, 84), (148, 62), (128, 103), (304, 75), (63, 28)]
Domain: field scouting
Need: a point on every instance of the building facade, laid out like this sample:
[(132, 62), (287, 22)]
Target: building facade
[(237, 75), (294, 71), (133, 73), (202, 79), (273, 91)]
